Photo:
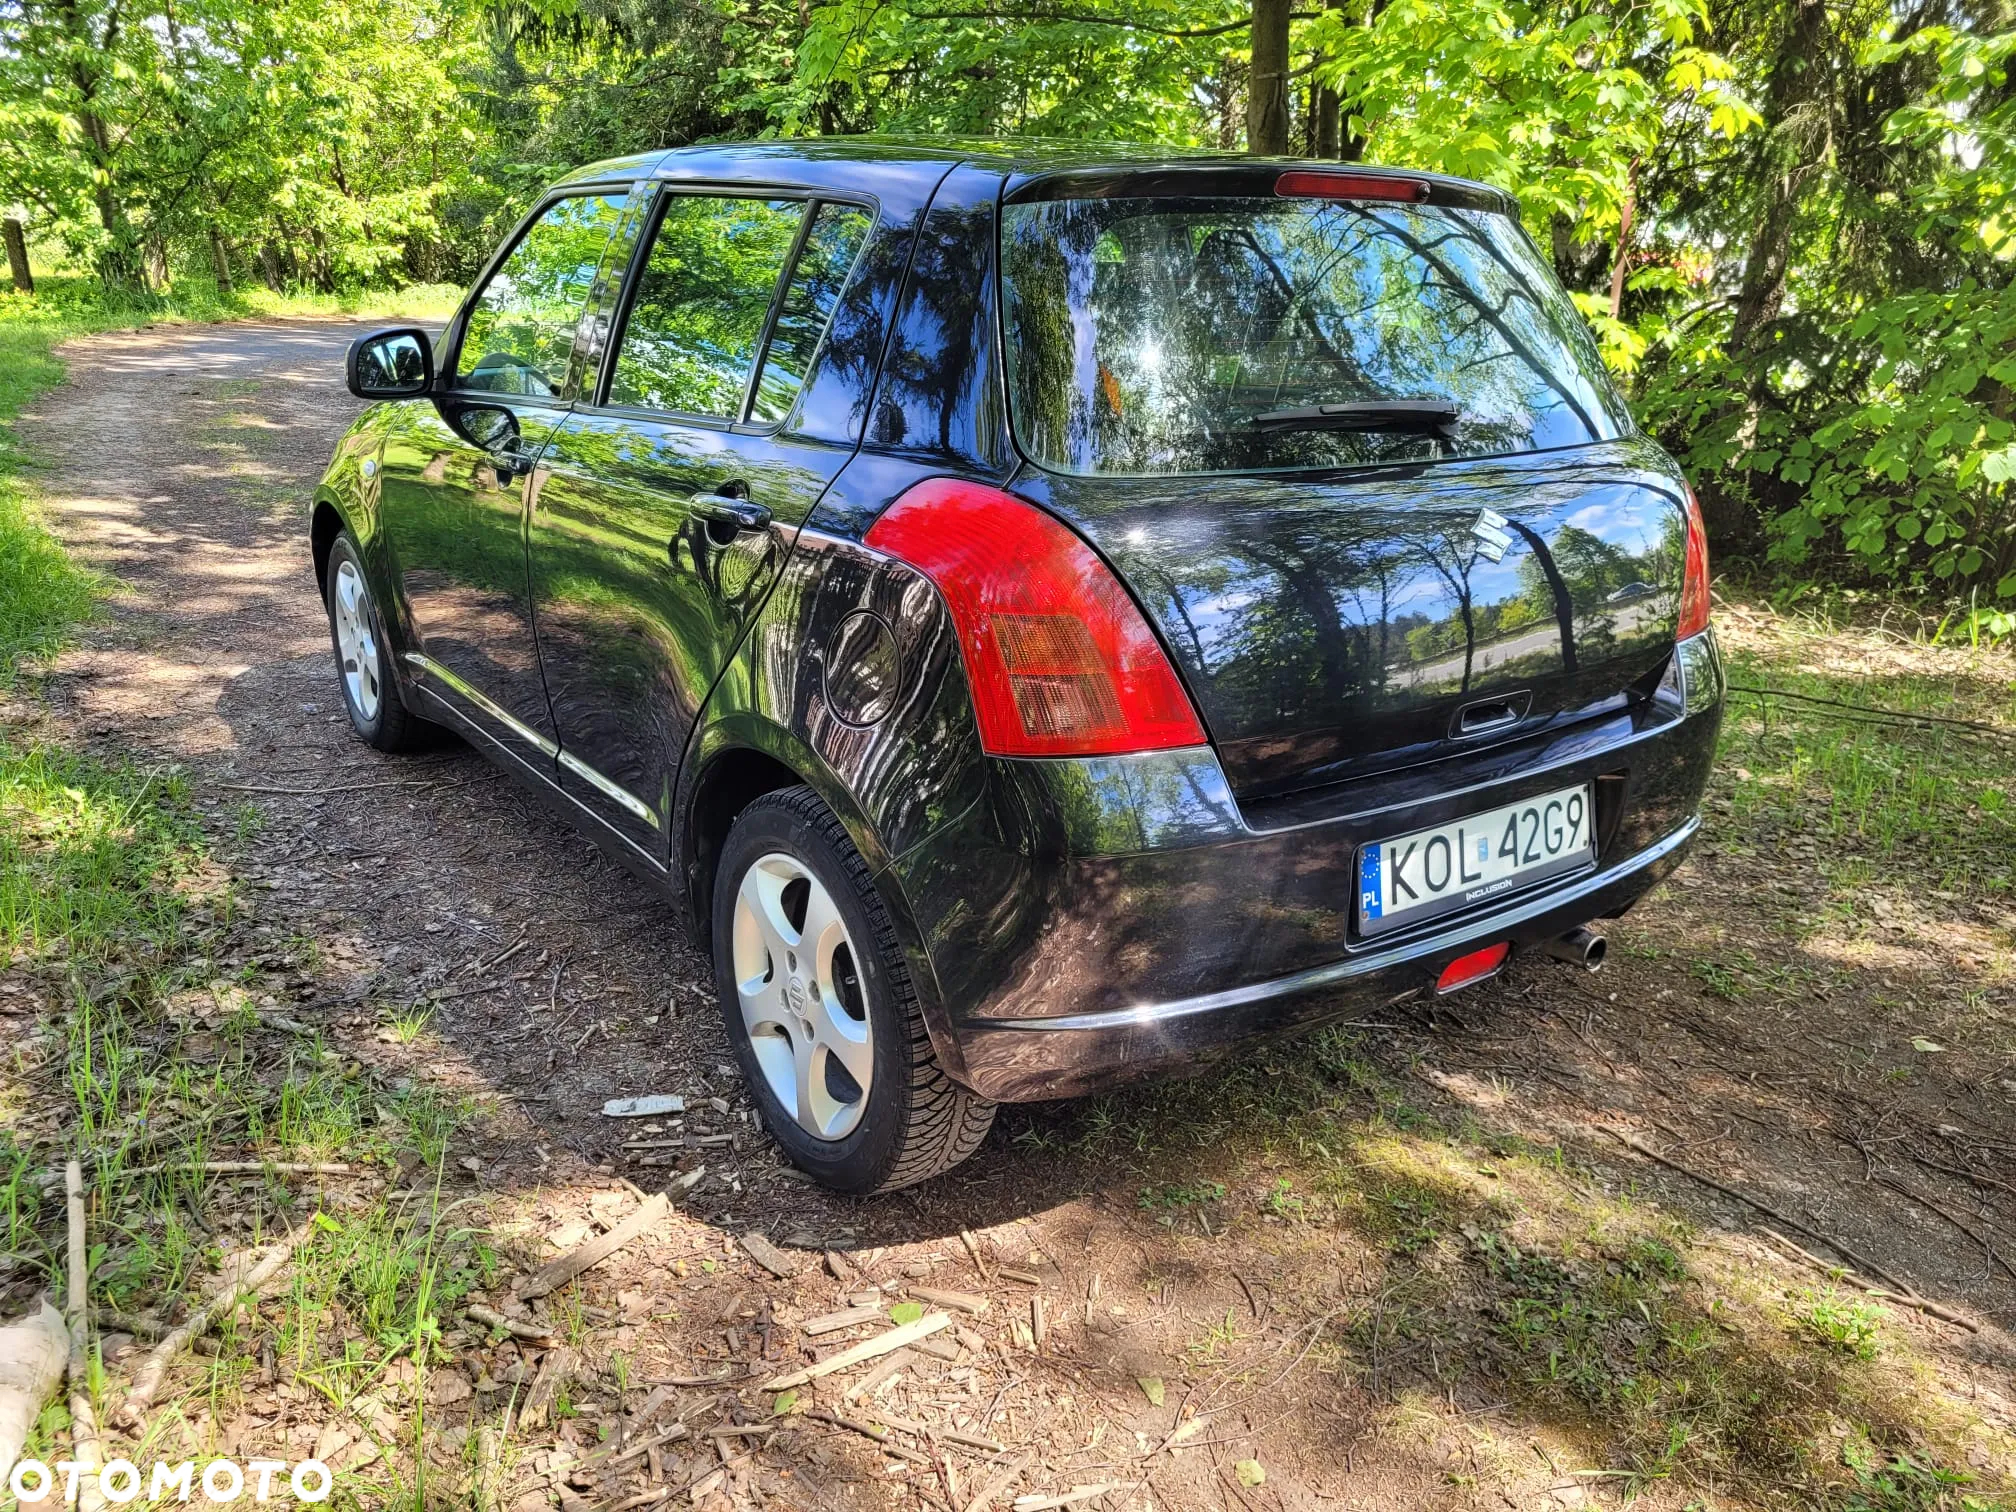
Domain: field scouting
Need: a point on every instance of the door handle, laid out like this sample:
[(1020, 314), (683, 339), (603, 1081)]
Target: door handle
[(720, 509), (516, 464)]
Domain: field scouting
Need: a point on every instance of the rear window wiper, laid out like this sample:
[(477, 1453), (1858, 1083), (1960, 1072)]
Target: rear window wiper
[(1363, 415)]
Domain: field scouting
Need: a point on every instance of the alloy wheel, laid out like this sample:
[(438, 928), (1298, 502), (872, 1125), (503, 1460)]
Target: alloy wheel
[(801, 995), (356, 639)]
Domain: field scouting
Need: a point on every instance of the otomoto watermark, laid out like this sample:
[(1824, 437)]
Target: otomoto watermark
[(221, 1480)]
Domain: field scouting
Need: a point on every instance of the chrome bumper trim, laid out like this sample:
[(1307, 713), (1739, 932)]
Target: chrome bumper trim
[(1318, 977)]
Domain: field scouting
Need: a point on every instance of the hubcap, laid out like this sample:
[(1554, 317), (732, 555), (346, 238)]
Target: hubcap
[(801, 996), (356, 643)]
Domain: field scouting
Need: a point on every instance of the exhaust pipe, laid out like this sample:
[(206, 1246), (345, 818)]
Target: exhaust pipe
[(1578, 947)]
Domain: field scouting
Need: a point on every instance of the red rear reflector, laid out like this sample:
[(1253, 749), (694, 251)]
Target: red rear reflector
[(1694, 594), (1473, 967), (1059, 659), (1320, 184)]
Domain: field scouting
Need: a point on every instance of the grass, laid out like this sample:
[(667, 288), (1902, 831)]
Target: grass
[(152, 1053)]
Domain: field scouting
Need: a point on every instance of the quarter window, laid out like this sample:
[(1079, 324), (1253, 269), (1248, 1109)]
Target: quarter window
[(521, 327), (702, 300), (830, 249)]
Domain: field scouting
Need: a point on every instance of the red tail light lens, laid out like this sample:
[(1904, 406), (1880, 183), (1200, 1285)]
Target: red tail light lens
[(1315, 183), (1694, 590), (1060, 661), (1474, 967)]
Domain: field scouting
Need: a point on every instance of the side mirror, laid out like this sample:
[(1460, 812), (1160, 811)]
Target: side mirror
[(390, 365)]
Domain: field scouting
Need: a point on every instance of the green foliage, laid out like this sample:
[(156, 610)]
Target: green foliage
[(1792, 225), (1847, 1324)]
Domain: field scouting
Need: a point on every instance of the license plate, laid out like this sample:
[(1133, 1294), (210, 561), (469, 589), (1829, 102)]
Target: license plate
[(1434, 871)]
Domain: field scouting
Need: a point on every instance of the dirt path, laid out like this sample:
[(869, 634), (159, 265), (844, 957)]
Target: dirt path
[(1358, 1263)]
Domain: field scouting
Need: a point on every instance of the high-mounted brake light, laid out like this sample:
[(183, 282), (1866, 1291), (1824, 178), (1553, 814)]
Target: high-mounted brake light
[(1059, 659), (1694, 588), (1317, 183)]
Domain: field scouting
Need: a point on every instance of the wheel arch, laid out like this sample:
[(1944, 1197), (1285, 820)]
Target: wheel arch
[(733, 762), (324, 525)]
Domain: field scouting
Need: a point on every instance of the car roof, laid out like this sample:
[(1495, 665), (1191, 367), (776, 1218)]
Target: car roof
[(1026, 164)]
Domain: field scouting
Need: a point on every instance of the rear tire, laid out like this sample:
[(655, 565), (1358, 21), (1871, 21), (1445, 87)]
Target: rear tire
[(371, 694), (830, 1038)]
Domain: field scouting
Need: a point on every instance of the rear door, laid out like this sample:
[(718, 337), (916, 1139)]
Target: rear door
[(667, 506), (458, 467)]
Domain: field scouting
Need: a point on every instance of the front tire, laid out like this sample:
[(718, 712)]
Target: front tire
[(371, 694), (820, 1009)]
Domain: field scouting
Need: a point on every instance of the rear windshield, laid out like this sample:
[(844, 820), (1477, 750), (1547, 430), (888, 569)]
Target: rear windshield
[(1146, 336)]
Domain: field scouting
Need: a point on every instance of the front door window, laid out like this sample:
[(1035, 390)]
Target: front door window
[(521, 328)]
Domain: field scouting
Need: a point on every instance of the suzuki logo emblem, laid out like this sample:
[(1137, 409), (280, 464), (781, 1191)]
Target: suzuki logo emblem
[(1493, 539)]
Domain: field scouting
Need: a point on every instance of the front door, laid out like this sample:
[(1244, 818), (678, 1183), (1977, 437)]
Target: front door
[(666, 509), (457, 468)]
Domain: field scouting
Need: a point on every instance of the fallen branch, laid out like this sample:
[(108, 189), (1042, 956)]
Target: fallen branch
[(33, 1353), (1765, 1208), (147, 1330), (867, 1349), (707, 1380), (134, 1411), (556, 1368), (958, 1301), (868, 1430), (1072, 1497), (76, 1303), (559, 1272), (949, 1435), (984, 1498), (609, 1460), (891, 1365), (490, 1318), (1911, 1299), (780, 1263), (834, 1322)]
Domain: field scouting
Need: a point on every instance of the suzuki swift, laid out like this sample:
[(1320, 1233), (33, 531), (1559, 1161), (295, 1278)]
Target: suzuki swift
[(1043, 616)]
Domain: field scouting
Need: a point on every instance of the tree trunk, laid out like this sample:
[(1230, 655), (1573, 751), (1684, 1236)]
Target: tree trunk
[(1621, 266), (1328, 119), (17, 255), (157, 264), (1225, 89), (1351, 146), (1267, 88), (220, 259), (1798, 76)]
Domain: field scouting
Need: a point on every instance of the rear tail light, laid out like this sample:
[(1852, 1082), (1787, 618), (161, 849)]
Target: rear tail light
[(1694, 589), (1060, 661), (1474, 967), (1315, 183)]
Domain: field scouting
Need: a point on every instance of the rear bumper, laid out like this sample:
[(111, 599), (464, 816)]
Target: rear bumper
[(1022, 1060), (1090, 922)]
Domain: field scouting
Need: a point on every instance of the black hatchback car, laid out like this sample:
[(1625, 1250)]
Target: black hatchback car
[(1047, 616)]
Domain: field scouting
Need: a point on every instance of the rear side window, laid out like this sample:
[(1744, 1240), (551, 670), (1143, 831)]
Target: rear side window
[(1154, 336), (521, 327), (702, 300), (831, 244)]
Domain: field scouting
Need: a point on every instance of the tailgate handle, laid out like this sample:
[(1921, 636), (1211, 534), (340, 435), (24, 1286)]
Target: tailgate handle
[(1488, 714)]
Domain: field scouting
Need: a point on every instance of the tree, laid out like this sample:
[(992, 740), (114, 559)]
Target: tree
[(1267, 83)]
